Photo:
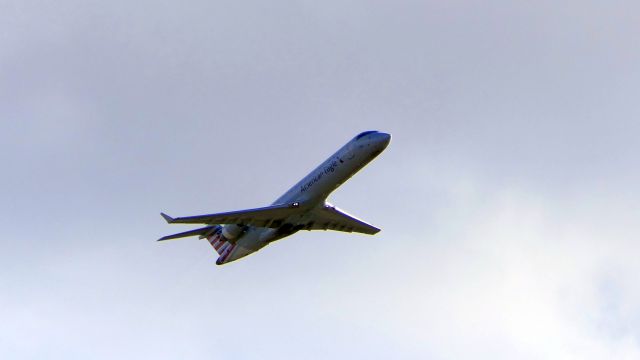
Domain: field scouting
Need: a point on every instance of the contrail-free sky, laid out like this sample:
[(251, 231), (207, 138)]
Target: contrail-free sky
[(508, 199)]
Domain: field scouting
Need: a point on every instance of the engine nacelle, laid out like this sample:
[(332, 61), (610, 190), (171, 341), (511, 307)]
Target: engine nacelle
[(231, 231)]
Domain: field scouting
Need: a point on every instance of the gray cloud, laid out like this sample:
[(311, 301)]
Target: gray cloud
[(507, 198)]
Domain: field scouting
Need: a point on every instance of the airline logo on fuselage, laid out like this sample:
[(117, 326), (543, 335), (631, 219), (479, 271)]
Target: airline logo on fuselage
[(326, 171)]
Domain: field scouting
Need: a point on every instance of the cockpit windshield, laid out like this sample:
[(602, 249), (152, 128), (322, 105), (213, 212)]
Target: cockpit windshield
[(365, 134)]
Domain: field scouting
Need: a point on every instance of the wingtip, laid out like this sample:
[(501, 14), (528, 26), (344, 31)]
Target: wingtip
[(168, 218)]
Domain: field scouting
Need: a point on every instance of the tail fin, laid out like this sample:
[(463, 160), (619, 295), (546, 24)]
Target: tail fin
[(221, 244), (218, 241)]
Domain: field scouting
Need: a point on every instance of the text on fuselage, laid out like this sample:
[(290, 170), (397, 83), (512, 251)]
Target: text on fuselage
[(326, 171)]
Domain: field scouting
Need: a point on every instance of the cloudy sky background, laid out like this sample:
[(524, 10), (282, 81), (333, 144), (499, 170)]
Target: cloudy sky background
[(508, 197)]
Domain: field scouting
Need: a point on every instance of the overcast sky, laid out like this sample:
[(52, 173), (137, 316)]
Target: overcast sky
[(508, 198)]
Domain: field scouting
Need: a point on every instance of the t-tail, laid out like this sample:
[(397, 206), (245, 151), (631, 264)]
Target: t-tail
[(219, 236)]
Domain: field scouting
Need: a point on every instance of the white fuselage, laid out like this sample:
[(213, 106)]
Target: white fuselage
[(313, 189)]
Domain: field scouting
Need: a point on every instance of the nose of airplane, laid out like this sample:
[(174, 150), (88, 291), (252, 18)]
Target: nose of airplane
[(383, 139)]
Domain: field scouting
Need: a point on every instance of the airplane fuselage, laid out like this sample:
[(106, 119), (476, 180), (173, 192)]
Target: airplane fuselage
[(309, 193)]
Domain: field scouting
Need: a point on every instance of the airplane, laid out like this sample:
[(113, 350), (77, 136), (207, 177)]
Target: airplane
[(236, 234)]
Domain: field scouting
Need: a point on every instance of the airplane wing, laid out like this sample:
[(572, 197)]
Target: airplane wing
[(327, 217), (331, 218), (269, 216)]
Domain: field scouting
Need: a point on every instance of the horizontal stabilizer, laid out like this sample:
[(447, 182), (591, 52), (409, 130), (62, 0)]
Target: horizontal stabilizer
[(201, 231)]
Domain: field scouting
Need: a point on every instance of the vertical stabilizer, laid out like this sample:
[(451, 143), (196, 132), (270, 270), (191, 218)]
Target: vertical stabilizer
[(219, 241)]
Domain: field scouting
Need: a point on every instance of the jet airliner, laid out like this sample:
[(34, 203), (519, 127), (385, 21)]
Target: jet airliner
[(236, 234)]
